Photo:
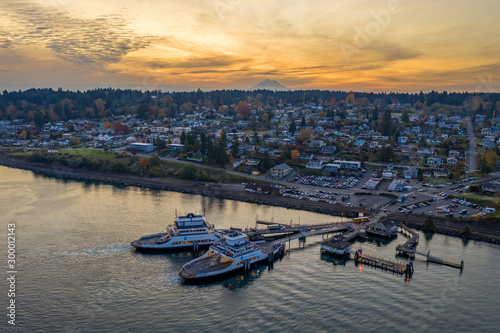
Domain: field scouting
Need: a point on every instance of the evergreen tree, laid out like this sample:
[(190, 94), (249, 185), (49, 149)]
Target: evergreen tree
[(203, 144), (386, 154), (256, 139), (292, 127), (266, 162), (235, 147), (405, 117), (428, 225), (386, 124), (286, 155), (375, 114), (303, 122), (142, 112)]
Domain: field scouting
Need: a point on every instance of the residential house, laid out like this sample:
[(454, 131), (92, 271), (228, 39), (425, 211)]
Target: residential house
[(328, 149), (410, 173), (402, 139), (489, 141), (315, 163), (435, 161), (452, 161)]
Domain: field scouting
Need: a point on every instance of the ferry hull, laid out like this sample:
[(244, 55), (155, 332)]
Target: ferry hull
[(151, 245), (205, 277)]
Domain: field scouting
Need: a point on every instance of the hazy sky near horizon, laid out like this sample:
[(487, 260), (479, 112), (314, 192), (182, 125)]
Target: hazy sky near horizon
[(361, 45)]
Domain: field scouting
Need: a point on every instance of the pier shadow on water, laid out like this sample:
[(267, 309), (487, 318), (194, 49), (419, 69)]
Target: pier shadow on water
[(336, 261)]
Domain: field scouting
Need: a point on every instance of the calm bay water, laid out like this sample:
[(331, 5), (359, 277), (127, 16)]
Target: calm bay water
[(78, 273)]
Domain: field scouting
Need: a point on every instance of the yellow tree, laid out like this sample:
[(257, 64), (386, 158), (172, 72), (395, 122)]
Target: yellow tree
[(305, 134), (491, 158), (350, 98), (99, 105), (295, 154)]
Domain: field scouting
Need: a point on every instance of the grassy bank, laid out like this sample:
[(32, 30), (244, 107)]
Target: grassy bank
[(123, 163)]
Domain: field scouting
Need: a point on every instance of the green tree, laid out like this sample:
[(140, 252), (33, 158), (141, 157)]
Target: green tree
[(386, 123), (303, 122), (154, 161), (143, 112), (74, 142), (483, 166), (235, 147), (429, 225), (266, 163), (292, 127), (405, 117), (386, 154), (39, 118), (286, 155), (256, 138), (203, 144), (375, 114), (466, 230)]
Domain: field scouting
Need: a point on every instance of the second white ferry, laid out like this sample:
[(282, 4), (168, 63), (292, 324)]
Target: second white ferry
[(190, 231), (234, 252)]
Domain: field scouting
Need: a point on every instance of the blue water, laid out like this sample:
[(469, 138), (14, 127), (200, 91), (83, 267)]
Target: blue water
[(78, 273)]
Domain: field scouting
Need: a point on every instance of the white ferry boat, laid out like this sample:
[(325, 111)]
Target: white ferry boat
[(190, 231), (234, 252)]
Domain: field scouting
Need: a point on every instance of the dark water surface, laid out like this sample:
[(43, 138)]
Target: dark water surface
[(78, 273)]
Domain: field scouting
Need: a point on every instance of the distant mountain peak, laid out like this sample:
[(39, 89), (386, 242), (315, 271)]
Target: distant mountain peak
[(268, 84)]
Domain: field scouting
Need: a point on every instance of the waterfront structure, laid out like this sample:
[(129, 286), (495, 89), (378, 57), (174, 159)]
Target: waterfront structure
[(384, 228), (336, 246), (142, 146)]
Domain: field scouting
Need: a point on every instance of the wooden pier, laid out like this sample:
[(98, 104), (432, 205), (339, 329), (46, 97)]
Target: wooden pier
[(384, 264), (322, 228), (409, 249)]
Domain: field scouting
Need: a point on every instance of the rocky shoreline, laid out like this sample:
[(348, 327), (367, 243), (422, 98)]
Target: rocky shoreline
[(221, 191), (229, 191)]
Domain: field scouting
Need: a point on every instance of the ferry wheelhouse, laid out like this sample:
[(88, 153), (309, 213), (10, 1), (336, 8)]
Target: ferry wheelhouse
[(190, 231), (233, 252)]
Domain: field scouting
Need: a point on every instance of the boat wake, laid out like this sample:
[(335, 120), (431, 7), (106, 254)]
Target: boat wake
[(97, 252)]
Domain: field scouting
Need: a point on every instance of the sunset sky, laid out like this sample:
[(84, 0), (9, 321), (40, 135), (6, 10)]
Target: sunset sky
[(361, 45)]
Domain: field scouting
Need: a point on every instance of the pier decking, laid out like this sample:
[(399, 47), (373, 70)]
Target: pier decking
[(409, 249), (384, 264)]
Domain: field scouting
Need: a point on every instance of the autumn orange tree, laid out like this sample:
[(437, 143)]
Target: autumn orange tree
[(243, 109)]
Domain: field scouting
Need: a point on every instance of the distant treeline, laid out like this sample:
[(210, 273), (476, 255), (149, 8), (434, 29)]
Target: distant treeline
[(99, 103)]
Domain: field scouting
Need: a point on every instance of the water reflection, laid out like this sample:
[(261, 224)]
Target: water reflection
[(334, 260), (428, 235)]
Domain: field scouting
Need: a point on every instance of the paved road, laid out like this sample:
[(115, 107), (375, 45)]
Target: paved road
[(472, 145)]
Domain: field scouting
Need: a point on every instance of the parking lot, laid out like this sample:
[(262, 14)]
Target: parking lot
[(441, 205)]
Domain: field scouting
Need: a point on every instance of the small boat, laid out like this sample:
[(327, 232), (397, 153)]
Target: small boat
[(190, 231), (232, 253)]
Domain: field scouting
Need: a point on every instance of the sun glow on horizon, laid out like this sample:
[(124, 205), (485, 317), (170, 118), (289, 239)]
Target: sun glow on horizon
[(391, 45)]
